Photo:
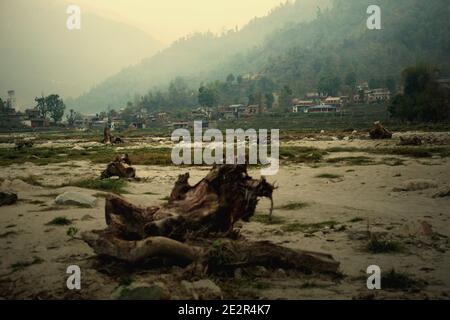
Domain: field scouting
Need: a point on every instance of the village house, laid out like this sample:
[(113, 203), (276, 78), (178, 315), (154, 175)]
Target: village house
[(333, 101), (232, 112), (323, 108), (179, 125), (252, 109), (381, 95)]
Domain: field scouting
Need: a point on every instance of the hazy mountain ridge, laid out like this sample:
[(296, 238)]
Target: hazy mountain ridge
[(338, 42), (192, 57), (39, 54), (298, 52)]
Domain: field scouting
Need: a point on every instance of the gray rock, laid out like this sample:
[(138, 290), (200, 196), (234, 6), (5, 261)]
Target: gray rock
[(203, 289), (445, 192), (143, 291), (76, 198), (358, 234)]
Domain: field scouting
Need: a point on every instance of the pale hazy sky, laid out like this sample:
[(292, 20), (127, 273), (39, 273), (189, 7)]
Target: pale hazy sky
[(168, 20)]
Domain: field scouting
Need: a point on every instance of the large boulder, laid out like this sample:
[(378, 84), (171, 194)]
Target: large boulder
[(76, 199)]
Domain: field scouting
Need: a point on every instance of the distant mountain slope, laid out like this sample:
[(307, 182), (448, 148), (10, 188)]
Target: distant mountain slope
[(193, 57), (39, 54), (293, 48), (338, 42)]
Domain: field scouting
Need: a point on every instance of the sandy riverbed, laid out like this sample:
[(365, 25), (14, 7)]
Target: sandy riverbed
[(359, 193)]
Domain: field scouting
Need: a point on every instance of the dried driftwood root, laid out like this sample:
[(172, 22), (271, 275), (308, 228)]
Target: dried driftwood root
[(380, 132), (194, 216), (109, 138), (120, 167)]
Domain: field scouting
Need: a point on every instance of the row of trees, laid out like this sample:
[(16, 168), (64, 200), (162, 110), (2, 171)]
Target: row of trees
[(423, 99)]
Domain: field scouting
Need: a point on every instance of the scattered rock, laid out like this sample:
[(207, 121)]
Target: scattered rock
[(415, 185), (203, 289), (417, 229), (76, 198), (7, 198), (410, 141), (78, 148), (442, 193), (87, 217), (143, 291)]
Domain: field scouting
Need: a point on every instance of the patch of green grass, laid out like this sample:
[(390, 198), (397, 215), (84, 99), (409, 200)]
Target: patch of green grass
[(24, 264), (166, 198), (126, 280), (59, 221), (301, 154), (10, 226), (293, 206), (312, 285), (72, 232), (356, 219), (110, 185), (328, 176), (151, 193), (260, 285), (264, 218), (393, 162), (400, 281), (352, 161), (376, 245), (308, 227)]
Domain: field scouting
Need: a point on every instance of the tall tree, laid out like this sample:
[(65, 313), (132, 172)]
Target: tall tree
[(286, 97), (55, 106), (41, 106), (269, 99), (230, 78), (206, 97)]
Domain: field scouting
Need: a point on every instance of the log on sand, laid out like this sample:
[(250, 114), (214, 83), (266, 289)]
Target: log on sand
[(197, 225)]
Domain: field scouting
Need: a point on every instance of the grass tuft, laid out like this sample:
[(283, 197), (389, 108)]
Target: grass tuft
[(376, 245), (293, 206), (24, 264), (59, 221)]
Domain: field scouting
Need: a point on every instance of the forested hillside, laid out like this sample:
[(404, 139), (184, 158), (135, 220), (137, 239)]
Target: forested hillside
[(193, 57), (333, 50)]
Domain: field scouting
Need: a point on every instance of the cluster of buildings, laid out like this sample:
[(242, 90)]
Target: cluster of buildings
[(10, 116), (314, 102)]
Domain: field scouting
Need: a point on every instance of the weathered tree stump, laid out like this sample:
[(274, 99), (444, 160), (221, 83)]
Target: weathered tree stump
[(380, 132), (120, 167), (188, 227)]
